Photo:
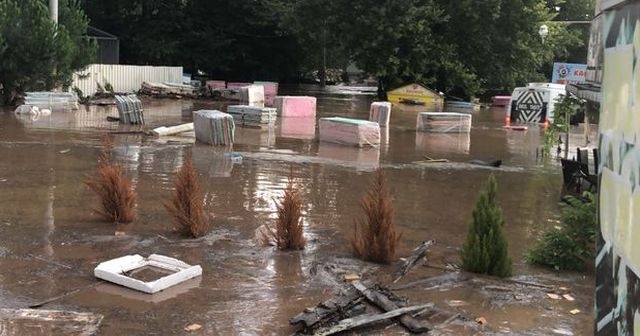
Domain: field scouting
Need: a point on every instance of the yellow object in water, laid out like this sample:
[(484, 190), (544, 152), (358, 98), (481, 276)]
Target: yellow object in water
[(415, 94)]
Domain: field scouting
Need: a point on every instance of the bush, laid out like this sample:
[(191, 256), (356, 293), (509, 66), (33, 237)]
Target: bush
[(113, 188), (567, 247), (187, 205), (374, 236), (289, 234), (485, 250)]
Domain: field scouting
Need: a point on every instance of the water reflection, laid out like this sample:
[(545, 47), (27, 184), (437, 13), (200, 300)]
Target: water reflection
[(457, 143)]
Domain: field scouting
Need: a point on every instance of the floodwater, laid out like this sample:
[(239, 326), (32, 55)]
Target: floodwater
[(51, 240)]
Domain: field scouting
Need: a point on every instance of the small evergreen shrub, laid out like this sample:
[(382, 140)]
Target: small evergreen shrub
[(486, 249)]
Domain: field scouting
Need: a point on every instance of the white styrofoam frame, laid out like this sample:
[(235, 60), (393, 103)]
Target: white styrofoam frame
[(113, 271)]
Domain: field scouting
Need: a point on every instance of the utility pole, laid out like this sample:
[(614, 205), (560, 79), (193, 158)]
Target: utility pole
[(53, 9)]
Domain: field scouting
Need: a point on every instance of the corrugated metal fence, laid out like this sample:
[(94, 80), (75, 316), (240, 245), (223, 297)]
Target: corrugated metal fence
[(123, 78)]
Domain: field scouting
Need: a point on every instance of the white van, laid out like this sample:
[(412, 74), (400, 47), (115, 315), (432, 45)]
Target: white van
[(534, 103)]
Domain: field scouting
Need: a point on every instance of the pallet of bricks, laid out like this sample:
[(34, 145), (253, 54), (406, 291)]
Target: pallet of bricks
[(252, 116)]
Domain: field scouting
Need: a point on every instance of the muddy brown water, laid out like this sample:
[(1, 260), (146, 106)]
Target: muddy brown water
[(50, 239)]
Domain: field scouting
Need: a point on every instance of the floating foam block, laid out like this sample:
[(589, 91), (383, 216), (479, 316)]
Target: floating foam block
[(444, 122), (214, 127), (270, 92), (298, 128), (252, 115), (296, 106), (501, 100), (252, 95), (350, 131), (380, 112)]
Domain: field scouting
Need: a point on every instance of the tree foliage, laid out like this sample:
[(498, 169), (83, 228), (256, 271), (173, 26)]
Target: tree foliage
[(568, 246), (35, 54), (455, 46), (485, 250)]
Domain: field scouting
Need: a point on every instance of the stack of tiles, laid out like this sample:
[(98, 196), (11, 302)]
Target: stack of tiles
[(380, 112), (444, 122), (347, 131), (296, 106), (252, 115), (214, 127), (252, 95)]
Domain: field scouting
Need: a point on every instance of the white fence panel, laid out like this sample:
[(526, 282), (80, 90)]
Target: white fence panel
[(123, 78)]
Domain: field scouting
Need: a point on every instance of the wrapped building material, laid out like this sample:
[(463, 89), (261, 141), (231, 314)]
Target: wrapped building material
[(252, 95), (444, 122), (501, 100), (270, 92), (52, 100), (347, 131), (296, 106), (214, 127), (380, 112), (216, 85), (236, 85), (129, 109), (252, 115), (298, 128)]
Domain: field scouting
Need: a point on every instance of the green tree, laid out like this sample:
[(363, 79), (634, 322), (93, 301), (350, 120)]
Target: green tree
[(393, 39), (35, 54), (485, 250)]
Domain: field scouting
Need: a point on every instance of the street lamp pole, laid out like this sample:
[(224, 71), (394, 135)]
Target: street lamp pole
[(53, 9)]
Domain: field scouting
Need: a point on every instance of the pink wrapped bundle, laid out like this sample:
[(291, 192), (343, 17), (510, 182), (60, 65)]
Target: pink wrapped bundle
[(236, 85), (501, 100), (380, 112), (270, 91), (350, 131), (296, 106), (216, 84)]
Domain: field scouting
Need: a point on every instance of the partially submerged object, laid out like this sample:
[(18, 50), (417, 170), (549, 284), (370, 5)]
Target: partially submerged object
[(380, 112), (415, 94), (120, 271), (129, 109), (214, 127), (296, 106), (246, 115), (171, 130), (52, 100), (47, 322), (461, 106), (252, 95), (501, 100), (348, 131), (444, 122), (534, 103)]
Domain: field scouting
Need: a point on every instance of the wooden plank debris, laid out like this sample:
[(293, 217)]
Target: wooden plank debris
[(363, 320), (380, 300), (418, 254)]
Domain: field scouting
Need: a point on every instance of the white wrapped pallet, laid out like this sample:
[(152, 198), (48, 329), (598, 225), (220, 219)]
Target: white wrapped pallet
[(252, 115), (252, 95), (214, 127), (380, 112), (444, 122), (347, 131)]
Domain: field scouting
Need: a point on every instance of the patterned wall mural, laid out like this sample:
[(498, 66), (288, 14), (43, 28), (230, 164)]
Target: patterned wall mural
[(618, 257)]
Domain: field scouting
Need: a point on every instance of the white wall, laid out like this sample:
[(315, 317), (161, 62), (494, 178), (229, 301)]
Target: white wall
[(123, 78)]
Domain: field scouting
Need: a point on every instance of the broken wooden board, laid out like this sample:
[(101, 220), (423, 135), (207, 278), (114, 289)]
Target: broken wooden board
[(48, 322), (418, 254), (115, 271), (332, 310), (383, 302), (363, 320), (436, 281)]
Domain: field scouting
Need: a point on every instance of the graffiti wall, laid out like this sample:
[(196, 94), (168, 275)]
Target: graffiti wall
[(618, 255)]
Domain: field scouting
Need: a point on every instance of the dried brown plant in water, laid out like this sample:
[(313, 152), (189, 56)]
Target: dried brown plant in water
[(374, 236), (187, 205), (289, 232), (113, 188)]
